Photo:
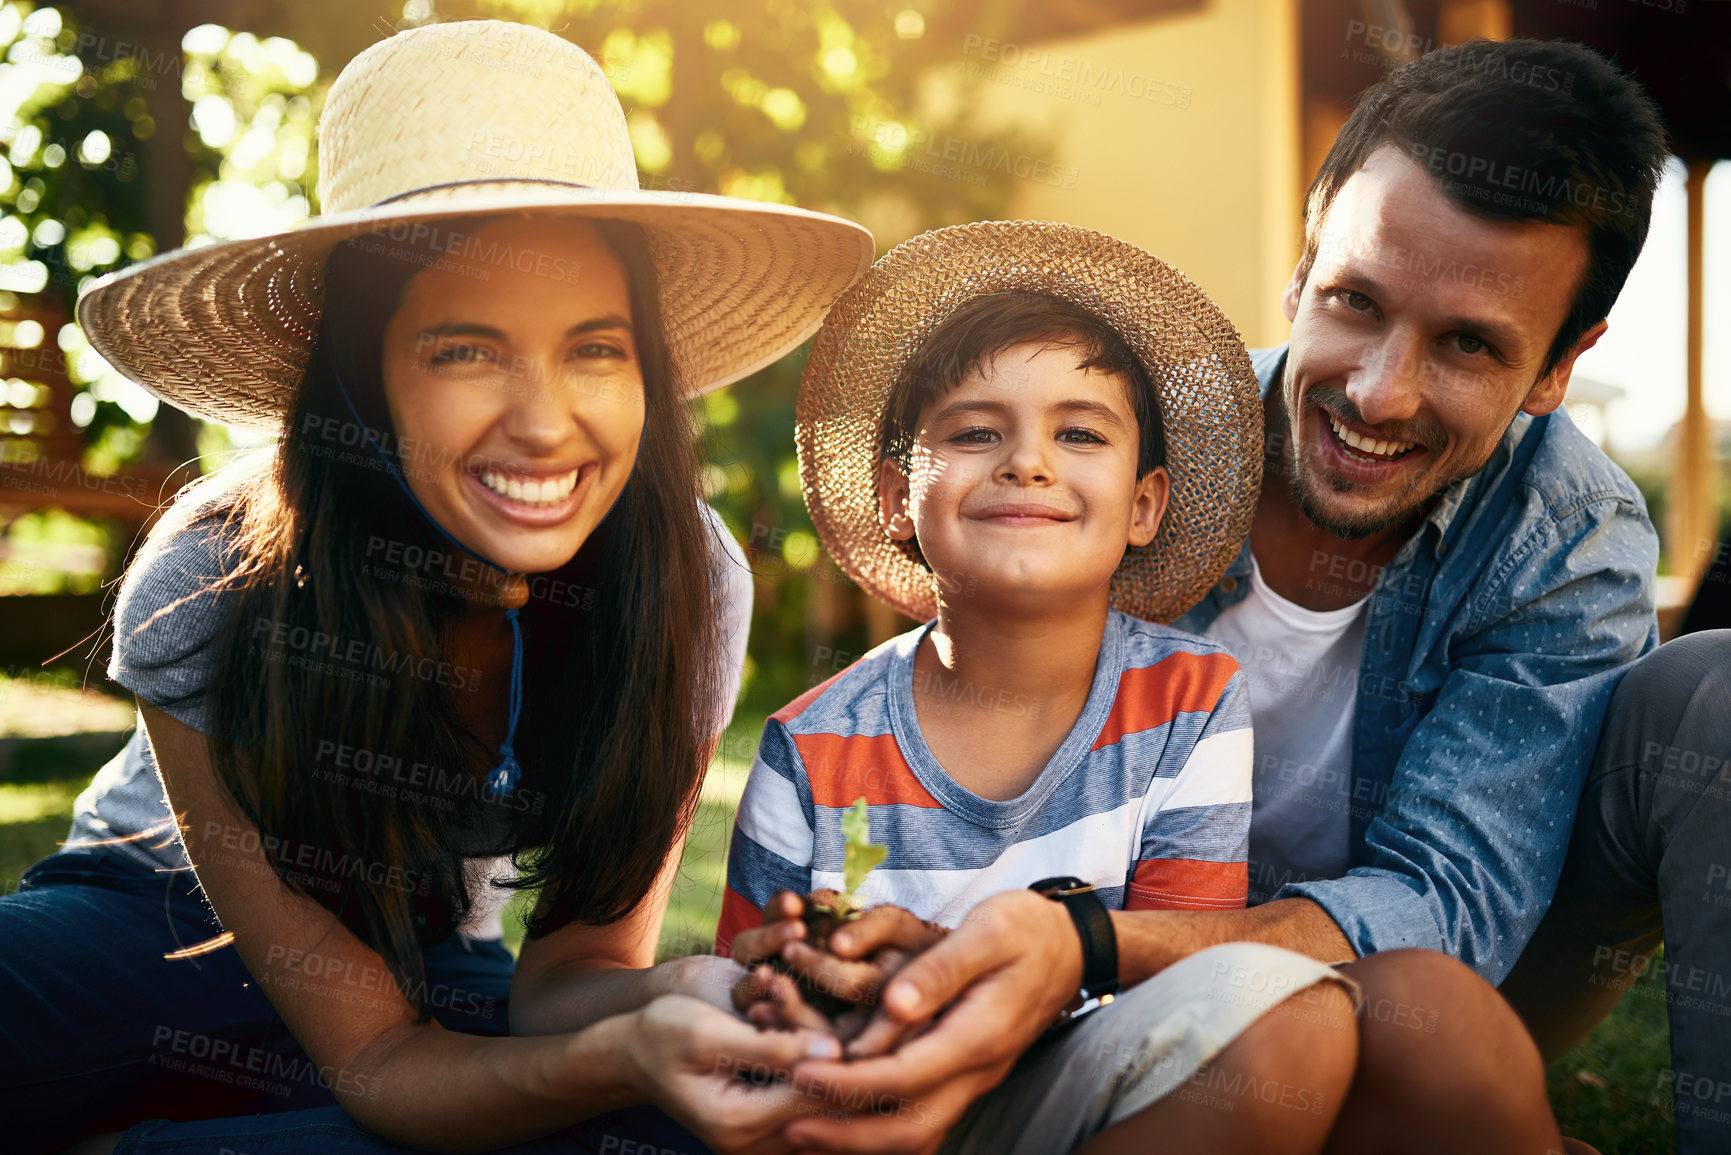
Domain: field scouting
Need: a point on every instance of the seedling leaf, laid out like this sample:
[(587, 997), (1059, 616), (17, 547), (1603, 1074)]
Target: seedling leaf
[(862, 855)]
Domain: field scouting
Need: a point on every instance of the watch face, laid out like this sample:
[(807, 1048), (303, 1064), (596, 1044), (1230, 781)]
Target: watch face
[(1059, 884)]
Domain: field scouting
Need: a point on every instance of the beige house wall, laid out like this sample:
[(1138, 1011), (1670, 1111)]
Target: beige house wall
[(1182, 136)]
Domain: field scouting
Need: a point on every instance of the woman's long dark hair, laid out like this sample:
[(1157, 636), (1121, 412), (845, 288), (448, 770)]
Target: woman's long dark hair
[(334, 720)]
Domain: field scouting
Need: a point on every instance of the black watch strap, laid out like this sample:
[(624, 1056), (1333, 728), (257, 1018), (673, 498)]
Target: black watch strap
[(1094, 925)]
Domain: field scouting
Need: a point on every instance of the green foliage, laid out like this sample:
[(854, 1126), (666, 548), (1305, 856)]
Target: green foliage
[(49, 551), (254, 106), (74, 182), (71, 190), (83, 143), (817, 102)]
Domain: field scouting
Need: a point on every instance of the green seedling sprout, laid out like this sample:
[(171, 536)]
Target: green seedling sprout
[(862, 856)]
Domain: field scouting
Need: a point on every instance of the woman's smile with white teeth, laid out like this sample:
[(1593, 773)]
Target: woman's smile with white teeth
[(547, 491)]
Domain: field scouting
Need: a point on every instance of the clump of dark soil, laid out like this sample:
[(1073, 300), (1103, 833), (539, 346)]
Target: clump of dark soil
[(821, 921)]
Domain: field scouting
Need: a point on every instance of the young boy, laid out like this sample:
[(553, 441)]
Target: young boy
[(1031, 729), (982, 447)]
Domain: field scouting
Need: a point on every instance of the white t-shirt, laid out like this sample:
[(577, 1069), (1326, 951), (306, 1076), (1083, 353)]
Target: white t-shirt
[(1302, 666)]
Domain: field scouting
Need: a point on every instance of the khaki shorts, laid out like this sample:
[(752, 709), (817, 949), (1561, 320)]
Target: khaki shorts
[(1124, 1057)]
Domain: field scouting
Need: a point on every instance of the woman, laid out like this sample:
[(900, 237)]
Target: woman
[(470, 606)]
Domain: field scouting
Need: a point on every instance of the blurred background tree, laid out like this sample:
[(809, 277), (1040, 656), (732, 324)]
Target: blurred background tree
[(86, 121), (817, 104), (72, 189)]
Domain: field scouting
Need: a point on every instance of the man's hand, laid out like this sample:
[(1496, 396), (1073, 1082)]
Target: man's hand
[(999, 980)]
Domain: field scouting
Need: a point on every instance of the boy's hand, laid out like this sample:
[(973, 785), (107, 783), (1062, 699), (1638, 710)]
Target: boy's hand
[(885, 938), (781, 924), (766, 996), (864, 953), (781, 1006), (769, 998), (1000, 980)]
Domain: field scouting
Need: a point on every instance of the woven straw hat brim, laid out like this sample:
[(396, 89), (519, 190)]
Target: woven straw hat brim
[(225, 331), (1207, 390)]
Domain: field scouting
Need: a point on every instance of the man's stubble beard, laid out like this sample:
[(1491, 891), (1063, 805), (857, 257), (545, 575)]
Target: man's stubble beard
[(1398, 510), (1393, 512)]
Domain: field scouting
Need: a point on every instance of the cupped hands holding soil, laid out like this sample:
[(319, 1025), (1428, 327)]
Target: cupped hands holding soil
[(798, 980)]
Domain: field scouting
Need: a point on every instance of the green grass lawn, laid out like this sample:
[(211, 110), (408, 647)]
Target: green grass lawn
[(1607, 1092)]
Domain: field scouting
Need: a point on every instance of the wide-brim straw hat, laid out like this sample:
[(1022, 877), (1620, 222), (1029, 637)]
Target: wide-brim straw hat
[(1207, 391), (454, 121)]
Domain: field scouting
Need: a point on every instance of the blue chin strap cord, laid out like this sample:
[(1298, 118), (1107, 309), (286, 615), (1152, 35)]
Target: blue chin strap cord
[(502, 779)]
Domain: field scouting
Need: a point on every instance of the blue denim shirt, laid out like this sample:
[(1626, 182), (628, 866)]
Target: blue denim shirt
[(1492, 643)]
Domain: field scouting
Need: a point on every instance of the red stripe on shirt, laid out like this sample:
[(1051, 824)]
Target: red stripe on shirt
[(1188, 884), (737, 914), (844, 769), (1154, 695)]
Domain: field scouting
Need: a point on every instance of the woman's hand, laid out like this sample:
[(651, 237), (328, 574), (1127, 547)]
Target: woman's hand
[(702, 976), (727, 1082)]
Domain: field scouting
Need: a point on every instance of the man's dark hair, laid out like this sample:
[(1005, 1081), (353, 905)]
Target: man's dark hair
[(1518, 130), (974, 334)]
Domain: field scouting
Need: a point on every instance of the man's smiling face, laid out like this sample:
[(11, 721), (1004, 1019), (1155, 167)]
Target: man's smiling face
[(1418, 335)]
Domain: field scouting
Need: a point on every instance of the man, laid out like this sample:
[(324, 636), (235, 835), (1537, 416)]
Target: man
[(1443, 586)]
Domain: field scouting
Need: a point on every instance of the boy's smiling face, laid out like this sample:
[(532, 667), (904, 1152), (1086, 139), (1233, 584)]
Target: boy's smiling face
[(1023, 480)]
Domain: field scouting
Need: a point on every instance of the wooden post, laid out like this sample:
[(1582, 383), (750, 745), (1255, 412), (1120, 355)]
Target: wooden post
[(1461, 20), (1693, 500)]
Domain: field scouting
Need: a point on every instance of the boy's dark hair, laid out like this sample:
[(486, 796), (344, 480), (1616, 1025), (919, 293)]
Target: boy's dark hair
[(1521, 130), (974, 334), (985, 326)]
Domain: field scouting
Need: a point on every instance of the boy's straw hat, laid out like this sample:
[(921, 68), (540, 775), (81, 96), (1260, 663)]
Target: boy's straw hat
[(1207, 390), (454, 121)]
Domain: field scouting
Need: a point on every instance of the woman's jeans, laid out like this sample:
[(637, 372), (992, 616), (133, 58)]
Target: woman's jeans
[(100, 1029)]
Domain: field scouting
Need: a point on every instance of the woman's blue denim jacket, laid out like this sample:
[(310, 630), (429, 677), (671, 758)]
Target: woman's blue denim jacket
[(1492, 644)]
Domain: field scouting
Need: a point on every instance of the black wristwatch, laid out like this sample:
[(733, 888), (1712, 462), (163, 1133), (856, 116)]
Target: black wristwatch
[(1099, 944)]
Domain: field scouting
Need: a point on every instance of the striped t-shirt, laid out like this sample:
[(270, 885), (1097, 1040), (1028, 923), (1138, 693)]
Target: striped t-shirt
[(1148, 798)]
